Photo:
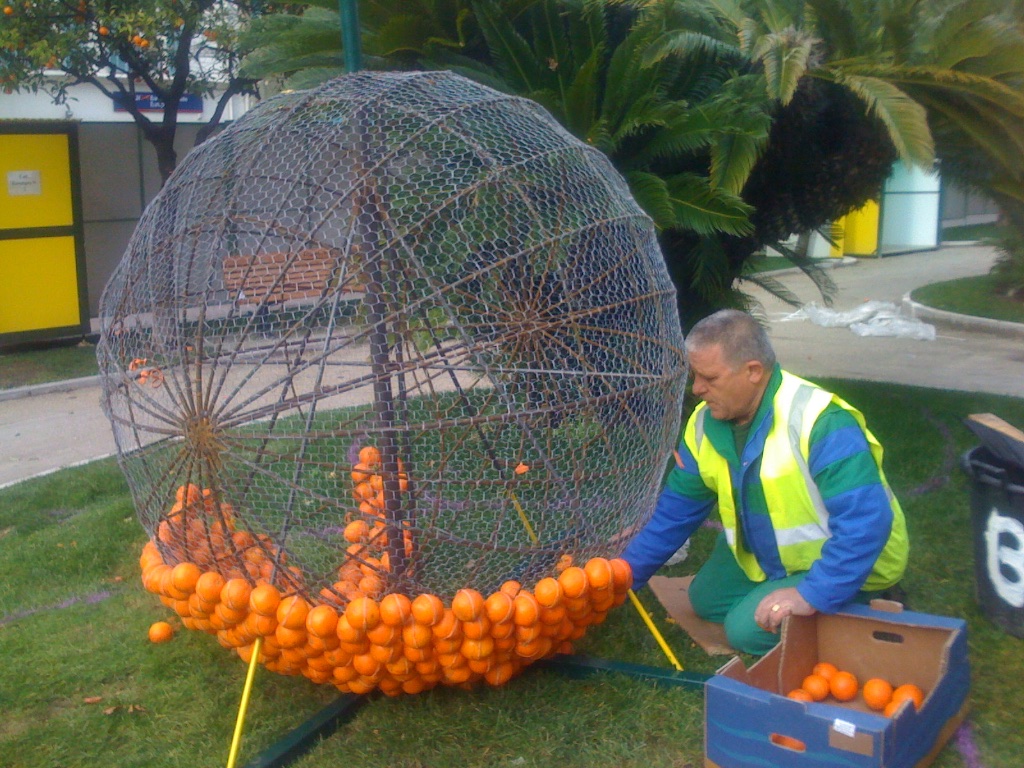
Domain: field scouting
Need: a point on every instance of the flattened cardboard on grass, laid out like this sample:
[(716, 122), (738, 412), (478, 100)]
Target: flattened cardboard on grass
[(750, 722), (674, 595)]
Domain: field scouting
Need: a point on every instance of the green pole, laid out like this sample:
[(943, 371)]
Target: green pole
[(350, 35)]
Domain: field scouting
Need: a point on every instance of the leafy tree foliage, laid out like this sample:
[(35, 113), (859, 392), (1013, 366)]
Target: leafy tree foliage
[(169, 49)]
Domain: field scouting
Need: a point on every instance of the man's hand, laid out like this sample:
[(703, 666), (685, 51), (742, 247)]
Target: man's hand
[(780, 604)]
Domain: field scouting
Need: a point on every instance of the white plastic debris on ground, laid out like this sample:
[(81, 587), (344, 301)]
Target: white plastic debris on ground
[(872, 318)]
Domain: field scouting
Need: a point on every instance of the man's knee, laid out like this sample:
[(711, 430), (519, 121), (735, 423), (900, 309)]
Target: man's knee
[(746, 636), (705, 601)]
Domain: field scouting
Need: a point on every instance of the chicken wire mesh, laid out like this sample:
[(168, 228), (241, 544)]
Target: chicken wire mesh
[(400, 334)]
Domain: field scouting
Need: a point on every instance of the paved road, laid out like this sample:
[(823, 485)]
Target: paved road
[(51, 430)]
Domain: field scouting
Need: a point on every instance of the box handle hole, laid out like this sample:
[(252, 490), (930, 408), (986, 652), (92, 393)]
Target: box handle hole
[(887, 637), (787, 742)]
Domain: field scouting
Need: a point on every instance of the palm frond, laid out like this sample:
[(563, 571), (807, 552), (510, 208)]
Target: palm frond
[(688, 44), (784, 57), (651, 193), (735, 153), (812, 268), (905, 120), (581, 97), (705, 209), (950, 80), (510, 51)]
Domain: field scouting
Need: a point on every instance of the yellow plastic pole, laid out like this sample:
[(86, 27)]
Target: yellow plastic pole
[(522, 516), (236, 739), (654, 630)]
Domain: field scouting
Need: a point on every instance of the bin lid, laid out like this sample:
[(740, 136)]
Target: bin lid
[(1002, 439)]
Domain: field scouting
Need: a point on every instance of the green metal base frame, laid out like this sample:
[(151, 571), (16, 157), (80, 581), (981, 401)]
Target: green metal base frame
[(584, 666), (320, 726), (325, 722)]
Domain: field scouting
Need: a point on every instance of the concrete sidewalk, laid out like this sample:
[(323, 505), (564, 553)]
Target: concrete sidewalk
[(967, 355), (43, 429)]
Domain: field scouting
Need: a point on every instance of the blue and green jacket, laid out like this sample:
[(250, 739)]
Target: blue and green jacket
[(846, 475)]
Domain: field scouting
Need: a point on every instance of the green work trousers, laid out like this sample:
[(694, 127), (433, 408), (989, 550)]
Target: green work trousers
[(722, 593)]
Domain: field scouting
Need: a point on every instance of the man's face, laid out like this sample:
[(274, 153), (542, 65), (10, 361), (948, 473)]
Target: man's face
[(732, 394)]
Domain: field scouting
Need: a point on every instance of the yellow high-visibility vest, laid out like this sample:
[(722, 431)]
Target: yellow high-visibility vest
[(797, 511)]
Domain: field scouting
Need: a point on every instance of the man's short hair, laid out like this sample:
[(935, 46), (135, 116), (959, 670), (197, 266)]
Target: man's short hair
[(741, 337)]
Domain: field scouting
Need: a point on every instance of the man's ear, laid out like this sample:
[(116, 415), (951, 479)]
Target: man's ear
[(755, 371)]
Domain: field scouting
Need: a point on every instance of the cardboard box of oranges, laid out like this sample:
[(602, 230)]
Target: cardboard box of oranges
[(759, 716)]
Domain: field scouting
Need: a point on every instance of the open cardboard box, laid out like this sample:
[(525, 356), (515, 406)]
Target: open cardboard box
[(749, 721)]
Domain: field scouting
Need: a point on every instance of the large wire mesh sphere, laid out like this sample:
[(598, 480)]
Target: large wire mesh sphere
[(400, 334)]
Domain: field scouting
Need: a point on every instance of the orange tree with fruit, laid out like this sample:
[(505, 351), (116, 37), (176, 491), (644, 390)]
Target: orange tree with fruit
[(125, 50), (393, 367)]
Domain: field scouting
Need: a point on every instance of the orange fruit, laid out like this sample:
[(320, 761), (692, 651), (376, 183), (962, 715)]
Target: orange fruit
[(800, 695), (500, 673), (417, 635), (573, 581), (448, 628), (843, 686), (160, 632), (184, 577), (188, 494), (290, 638), (369, 455), (427, 609), (877, 693), (395, 609), (599, 573), (292, 612), (622, 575), (209, 587), (816, 686), (909, 691), (366, 665), (548, 592), (467, 605), (264, 599), (499, 608), (891, 707), (477, 649), (383, 634), (825, 669), (362, 614), (322, 621), (477, 628), (360, 473), (356, 531), (527, 610), (235, 594), (371, 585)]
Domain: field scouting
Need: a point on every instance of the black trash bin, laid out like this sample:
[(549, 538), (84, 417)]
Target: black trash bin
[(997, 515)]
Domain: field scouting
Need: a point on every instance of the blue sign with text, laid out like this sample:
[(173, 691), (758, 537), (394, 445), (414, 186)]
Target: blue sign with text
[(148, 102)]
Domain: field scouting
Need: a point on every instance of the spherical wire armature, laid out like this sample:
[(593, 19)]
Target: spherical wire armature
[(398, 336)]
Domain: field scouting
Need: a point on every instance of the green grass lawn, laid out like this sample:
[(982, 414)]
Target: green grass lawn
[(81, 686), (971, 296), (47, 363), (969, 232)]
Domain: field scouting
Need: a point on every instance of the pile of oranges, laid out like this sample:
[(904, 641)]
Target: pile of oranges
[(357, 637), (878, 694), (199, 529)]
